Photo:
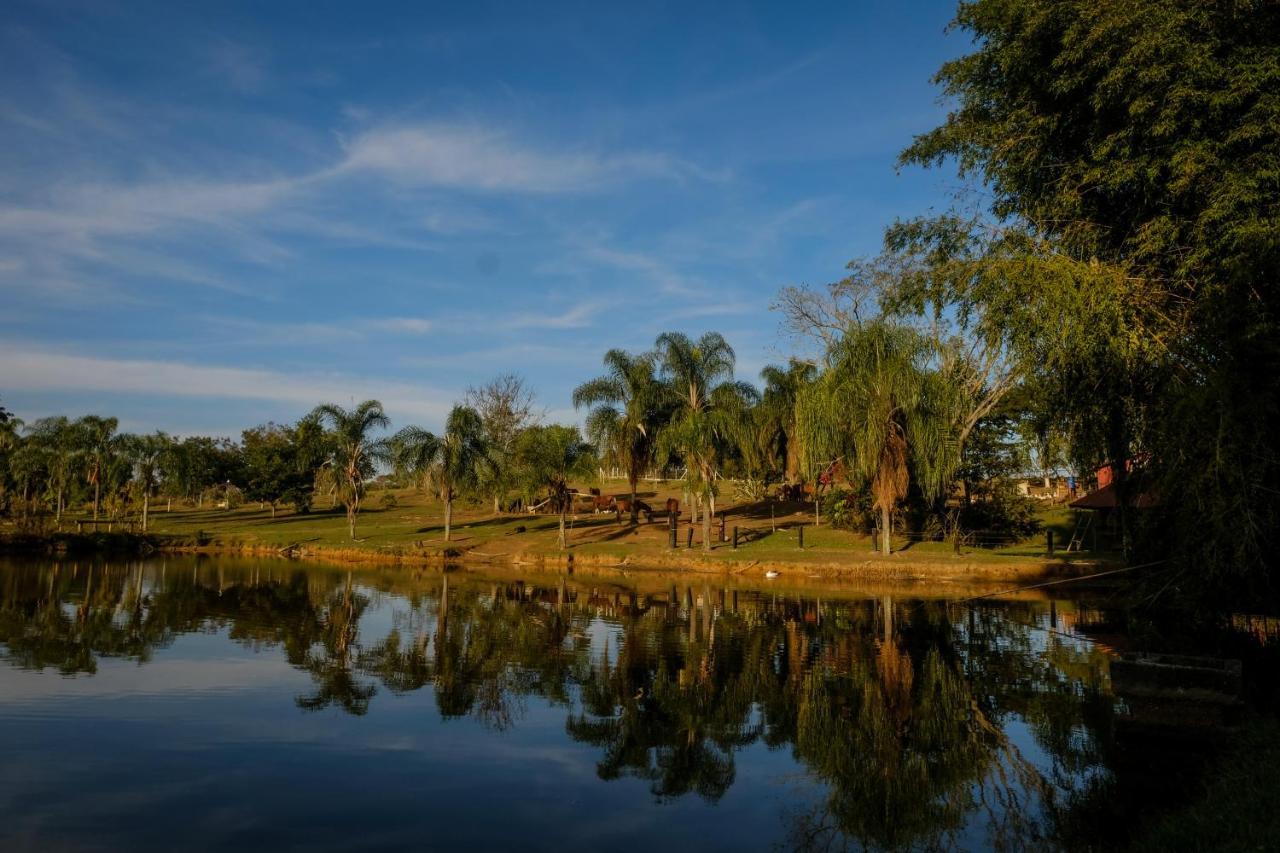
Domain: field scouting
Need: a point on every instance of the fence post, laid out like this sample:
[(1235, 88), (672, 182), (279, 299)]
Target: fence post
[(671, 529), (722, 528), (1050, 543), (800, 534), (689, 540)]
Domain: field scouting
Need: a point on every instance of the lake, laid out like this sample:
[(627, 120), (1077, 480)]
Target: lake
[(211, 704)]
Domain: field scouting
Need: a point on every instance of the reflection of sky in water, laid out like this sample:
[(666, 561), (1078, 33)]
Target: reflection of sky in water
[(202, 746)]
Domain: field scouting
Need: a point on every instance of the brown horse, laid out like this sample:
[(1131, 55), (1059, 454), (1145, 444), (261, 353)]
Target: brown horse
[(622, 506)]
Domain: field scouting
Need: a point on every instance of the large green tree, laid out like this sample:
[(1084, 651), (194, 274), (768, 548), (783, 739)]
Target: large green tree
[(628, 408), (1131, 157)]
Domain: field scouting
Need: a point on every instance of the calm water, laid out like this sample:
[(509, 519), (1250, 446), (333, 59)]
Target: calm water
[(209, 704)]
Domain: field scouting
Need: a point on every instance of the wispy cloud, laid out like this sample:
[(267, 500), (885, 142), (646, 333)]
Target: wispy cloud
[(474, 157), (45, 370), (241, 66)]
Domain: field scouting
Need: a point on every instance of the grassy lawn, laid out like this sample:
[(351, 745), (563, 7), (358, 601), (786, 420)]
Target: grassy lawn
[(405, 521)]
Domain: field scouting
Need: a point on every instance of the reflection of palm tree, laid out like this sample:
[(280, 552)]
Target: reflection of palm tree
[(330, 667)]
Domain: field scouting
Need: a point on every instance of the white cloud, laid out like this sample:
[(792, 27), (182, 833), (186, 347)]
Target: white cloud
[(401, 325), (45, 370), (478, 158), (577, 317)]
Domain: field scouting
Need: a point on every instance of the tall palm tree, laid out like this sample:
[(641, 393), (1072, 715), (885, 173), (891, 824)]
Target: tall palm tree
[(452, 462), (57, 437), (628, 407), (782, 387), (97, 438), (698, 375), (355, 451), (550, 458), (879, 406), (147, 452)]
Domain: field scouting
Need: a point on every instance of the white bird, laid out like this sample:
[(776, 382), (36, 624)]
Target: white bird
[(772, 573)]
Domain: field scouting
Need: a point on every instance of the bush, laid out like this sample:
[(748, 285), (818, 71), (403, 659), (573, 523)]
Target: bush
[(388, 501), (1004, 513), (849, 509)]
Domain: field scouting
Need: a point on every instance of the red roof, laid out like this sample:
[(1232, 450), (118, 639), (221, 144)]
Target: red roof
[(1105, 498)]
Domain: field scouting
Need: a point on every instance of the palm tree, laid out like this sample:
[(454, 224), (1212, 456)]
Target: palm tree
[(57, 438), (550, 458), (628, 407), (699, 383), (452, 462), (354, 450), (97, 437), (147, 452), (877, 405), (782, 387)]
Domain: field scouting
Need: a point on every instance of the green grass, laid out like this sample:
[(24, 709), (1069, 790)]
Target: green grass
[(415, 525)]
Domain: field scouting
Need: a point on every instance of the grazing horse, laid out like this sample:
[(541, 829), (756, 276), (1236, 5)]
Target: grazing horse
[(604, 504), (623, 506)]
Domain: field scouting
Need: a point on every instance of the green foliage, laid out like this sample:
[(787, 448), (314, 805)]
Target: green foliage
[(274, 469), (454, 463), (1132, 159), (880, 408), (354, 450), (629, 407), (850, 509), (549, 458)]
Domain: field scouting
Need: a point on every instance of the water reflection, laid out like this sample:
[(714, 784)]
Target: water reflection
[(905, 723)]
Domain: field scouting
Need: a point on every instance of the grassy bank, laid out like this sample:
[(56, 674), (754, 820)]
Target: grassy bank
[(406, 525)]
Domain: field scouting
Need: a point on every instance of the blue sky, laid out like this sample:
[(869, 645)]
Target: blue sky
[(218, 214)]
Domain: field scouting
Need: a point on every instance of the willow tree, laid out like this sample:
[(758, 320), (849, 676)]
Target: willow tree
[(880, 407), (450, 463), (550, 458), (628, 407), (699, 384), (354, 450)]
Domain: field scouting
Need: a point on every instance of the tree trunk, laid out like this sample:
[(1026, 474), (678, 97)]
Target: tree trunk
[(886, 544), (448, 517), (633, 478), (497, 505), (706, 527), (146, 505), (351, 521), (273, 509), (562, 539), (96, 491)]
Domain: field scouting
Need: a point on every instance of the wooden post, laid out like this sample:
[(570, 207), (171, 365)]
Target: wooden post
[(689, 539), (671, 529), (735, 537), (773, 525), (1050, 543), (800, 536), (722, 528)]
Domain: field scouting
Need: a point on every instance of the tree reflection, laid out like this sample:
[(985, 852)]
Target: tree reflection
[(898, 711)]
